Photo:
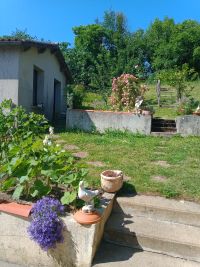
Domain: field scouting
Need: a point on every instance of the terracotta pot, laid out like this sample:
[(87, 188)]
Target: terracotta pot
[(111, 180), (146, 112), (196, 113)]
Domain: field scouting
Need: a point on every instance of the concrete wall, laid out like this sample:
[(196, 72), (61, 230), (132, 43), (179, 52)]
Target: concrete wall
[(9, 73), (188, 125), (101, 120), (78, 249), (48, 63)]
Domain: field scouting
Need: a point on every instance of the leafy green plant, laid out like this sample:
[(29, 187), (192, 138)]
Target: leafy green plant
[(30, 167), (78, 93), (36, 169), (16, 125), (186, 106)]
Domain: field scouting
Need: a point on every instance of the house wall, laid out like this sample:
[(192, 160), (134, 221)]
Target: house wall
[(48, 63), (9, 73)]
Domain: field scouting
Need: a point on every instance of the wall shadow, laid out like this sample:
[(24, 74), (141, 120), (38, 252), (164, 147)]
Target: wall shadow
[(64, 254)]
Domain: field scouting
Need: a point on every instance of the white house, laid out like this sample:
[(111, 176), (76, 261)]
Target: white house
[(33, 74)]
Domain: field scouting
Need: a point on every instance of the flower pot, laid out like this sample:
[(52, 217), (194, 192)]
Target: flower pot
[(196, 113), (111, 180), (146, 112)]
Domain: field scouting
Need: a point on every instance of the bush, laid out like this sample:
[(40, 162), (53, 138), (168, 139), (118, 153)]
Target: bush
[(77, 92), (125, 89), (31, 167), (16, 125)]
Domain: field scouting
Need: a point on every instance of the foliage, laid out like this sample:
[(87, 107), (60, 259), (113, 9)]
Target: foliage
[(125, 89), (78, 93), (186, 106), (16, 125), (46, 227), (178, 79), (31, 167), (19, 35)]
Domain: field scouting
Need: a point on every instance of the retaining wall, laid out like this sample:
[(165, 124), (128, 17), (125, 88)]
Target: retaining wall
[(78, 249), (89, 120), (188, 125)]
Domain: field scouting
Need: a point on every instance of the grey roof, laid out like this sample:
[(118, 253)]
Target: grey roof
[(41, 46)]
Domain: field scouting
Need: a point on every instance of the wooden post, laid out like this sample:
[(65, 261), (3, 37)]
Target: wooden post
[(158, 92)]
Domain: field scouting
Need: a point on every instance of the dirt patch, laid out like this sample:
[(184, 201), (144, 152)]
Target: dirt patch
[(96, 163), (60, 142), (126, 178), (80, 154), (159, 178), (159, 153), (162, 163), (71, 147)]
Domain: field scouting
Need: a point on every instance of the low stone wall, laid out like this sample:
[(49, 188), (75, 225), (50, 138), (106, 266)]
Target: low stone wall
[(78, 249), (89, 120), (188, 125)]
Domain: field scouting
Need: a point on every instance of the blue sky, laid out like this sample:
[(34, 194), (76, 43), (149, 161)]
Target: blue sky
[(53, 19)]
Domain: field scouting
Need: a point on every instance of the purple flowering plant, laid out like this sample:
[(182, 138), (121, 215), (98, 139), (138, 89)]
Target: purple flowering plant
[(46, 228)]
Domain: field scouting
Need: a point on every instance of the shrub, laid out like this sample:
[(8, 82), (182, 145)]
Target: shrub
[(125, 89), (77, 93), (16, 125), (30, 167)]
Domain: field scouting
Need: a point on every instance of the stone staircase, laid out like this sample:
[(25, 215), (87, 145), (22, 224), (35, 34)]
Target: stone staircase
[(152, 231), (162, 127)]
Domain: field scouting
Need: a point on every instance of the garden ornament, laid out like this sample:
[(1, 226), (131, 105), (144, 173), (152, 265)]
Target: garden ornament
[(87, 196), (138, 103), (198, 109), (88, 214)]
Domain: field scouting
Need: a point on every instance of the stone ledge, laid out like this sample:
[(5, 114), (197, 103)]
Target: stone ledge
[(78, 249)]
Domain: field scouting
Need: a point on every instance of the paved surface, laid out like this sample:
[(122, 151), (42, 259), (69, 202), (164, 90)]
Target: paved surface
[(110, 255), (6, 264)]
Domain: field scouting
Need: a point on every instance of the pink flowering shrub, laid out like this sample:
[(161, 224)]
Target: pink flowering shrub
[(125, 89)]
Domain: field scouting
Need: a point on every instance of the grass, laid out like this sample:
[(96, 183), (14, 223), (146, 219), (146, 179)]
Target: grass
[(135, 156)]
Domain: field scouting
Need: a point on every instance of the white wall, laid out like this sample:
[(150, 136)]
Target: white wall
[(9, 71), (51, 67)]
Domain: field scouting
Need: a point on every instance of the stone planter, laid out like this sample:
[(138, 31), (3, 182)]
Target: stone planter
[(111, 180), (78, 249)]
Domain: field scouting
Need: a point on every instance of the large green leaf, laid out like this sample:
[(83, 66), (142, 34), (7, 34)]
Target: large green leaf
[(68, 198), (18, 192)]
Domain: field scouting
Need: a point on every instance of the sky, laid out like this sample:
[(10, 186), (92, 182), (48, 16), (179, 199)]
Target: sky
[(53, 20)]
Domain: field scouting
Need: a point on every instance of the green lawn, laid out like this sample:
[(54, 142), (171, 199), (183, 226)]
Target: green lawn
[(136, 156)]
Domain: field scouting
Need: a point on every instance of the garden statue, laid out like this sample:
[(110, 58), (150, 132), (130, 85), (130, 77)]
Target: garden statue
[(138, 103), (87, 196), (88, 214)]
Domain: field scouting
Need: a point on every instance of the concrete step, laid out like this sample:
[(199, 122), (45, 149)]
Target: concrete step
[(159, 208), (163, 134), (163, 129), (172, 239), (111, 255)]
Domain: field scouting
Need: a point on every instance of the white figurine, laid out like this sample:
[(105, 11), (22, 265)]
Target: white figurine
[(138, 103), (87, 196)]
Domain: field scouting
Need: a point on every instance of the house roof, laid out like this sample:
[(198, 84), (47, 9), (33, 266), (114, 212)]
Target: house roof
[(41, 46)]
